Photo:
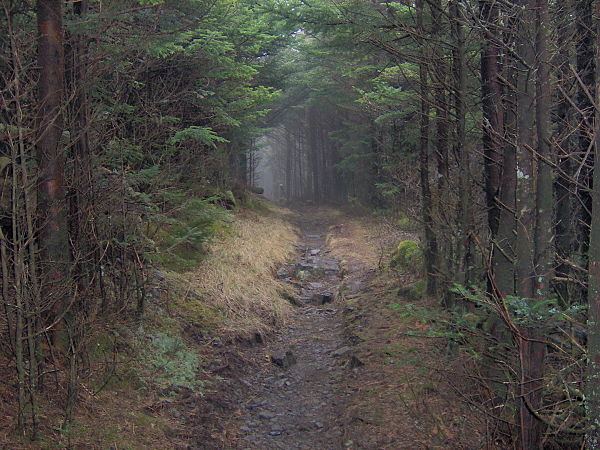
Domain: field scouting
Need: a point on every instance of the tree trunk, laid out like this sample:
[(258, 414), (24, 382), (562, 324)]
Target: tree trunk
[(431, 249), (534, 204), (465, 210), (593, 369), (493, 123), (564, 188), (503, 252), (438, 71), (586, 71), (51, 191)]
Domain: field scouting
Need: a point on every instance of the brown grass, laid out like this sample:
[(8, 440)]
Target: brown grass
[(235, 292), (365, 241), (400, 398), (238, 279)]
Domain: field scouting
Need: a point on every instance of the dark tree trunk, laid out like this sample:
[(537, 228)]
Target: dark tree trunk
[(593, 369), (431, 246), (53, 236), (465, 209), (503, 252), (564, 188), (534, 203), (586, 71), (493, 114), (438, 80)]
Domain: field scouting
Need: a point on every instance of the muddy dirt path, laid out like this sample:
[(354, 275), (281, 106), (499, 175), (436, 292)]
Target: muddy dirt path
[(294, 401)]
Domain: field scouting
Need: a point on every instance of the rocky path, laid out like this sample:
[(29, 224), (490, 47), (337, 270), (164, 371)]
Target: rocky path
[(294, 400)]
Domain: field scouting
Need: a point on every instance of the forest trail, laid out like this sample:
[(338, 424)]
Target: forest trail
[(359, 374), (294, 399)]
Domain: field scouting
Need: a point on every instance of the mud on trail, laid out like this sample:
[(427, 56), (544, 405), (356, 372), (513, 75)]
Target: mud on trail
[(346, 371), (294, 398)]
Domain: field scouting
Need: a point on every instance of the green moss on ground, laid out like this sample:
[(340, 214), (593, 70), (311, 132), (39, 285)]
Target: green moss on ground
[(408, 255), (414, 291)]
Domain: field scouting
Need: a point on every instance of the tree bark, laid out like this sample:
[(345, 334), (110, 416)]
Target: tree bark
[(564, 188), (593, 369), (53, 238), (465, 209), (586, 72), (503, 252), (431, 246), (493, 123), (534, 203)]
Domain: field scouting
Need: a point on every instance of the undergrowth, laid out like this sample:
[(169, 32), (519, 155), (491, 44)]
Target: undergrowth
[(213, 279), (237, 283), (167, 361), (184, 228)]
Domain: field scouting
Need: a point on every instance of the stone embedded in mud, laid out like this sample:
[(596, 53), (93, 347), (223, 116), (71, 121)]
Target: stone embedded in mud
[(283, 359), (355, 362), (293, 299), (342, 351), (315, 252), (323, 298), (256, 405), (354, 339), (283, 383), (266, 415), (306, 266), (157, 275), (329, 265), (153, 292)]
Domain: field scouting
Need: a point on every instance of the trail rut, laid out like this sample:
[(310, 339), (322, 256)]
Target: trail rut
[(294, 401)]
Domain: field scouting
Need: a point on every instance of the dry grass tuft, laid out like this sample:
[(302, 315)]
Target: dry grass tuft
[(238, 278)]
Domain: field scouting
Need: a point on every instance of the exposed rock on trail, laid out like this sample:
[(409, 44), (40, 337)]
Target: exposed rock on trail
[(347, 371), (295, 398)]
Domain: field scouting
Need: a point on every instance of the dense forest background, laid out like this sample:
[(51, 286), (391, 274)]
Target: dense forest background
[(129, 128)]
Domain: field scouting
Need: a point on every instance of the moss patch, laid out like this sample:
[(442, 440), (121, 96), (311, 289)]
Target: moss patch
[(407, 256), (414, 291)]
